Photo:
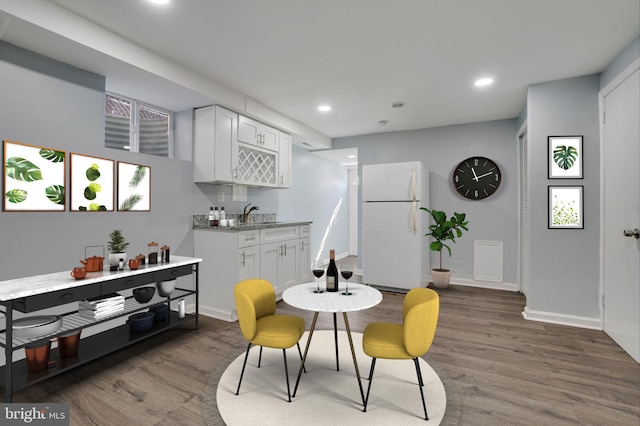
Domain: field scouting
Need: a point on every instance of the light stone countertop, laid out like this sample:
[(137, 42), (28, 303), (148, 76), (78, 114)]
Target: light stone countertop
[(40, 284), (250, 226)]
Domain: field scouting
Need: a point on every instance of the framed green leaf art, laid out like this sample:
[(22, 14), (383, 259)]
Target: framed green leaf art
[(565, 207), (34, 178), (92, 183), (565, 157), (134, 187)]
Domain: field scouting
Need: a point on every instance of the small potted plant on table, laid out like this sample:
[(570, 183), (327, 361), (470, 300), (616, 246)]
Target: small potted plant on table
[(441, 231), (117, 248)]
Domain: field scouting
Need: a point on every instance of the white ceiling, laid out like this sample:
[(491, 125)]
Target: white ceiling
[(357, 55)]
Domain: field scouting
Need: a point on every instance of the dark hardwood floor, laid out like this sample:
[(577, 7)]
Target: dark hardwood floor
[(507, 370)]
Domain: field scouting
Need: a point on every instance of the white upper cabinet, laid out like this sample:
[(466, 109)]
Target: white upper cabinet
[(230, 148), (284, 161), (253, 132), (215, 135)]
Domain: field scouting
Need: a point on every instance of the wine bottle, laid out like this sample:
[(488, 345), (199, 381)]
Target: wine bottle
[(332, 272), (211, 216)]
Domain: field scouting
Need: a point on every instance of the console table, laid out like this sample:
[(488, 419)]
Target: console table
[(35, 293)]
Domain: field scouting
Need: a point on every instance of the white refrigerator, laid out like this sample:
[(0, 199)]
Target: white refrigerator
[(395, 252)]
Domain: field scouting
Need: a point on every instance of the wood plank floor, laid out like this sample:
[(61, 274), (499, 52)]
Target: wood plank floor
[(507, 370)]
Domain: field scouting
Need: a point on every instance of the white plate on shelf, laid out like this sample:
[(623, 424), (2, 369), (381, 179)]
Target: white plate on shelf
[(35, 326)]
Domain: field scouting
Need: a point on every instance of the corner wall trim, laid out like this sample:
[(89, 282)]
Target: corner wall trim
[(563, 319)]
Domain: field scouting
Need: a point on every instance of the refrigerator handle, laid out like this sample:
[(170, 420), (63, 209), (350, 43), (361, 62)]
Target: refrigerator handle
[(414, 203)]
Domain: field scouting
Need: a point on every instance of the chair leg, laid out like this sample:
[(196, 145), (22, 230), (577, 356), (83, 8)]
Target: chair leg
[(286, 374), (260, 357), (300, 352), (420, 385), (366, 400), (243, 366)]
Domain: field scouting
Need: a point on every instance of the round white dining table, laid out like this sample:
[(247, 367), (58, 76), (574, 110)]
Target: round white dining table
[(302, 296)]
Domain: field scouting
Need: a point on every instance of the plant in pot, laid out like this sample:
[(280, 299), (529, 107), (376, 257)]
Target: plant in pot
[(442, 231), (117, 248)]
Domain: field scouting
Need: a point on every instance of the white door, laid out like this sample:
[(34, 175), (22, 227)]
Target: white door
[(621, 200)]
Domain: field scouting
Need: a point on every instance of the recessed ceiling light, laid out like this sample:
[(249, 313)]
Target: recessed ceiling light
[(398, 104), (351, 156), (324, 108), (159, 1), (484, 82)]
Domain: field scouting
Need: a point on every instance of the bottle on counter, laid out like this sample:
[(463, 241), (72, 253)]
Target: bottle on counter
[(223, 215), (332, 272), (216, 217), (212, 216)]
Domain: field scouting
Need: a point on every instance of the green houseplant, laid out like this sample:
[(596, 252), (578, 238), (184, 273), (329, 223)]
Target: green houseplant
[(442, 231), (117, 247)]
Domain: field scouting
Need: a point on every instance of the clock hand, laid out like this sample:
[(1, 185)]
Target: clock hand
[(475, 177), (486, 174)]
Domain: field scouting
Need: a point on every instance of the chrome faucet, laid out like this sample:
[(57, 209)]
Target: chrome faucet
[(246, 213)]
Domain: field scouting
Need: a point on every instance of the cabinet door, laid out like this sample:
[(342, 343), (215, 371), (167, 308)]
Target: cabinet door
[(248, 130), (288, 267), (284, 161), (249, 263), (270, 138), (215, 137), (304, 261), (269, 261)]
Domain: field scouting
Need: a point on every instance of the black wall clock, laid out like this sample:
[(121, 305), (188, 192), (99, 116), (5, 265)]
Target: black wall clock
[(476, 178)]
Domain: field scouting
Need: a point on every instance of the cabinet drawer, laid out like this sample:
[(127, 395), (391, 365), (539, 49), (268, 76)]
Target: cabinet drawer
[(273, 235), (248, 238), (170, 274), (305, 231), (112, 286), (56, 298)]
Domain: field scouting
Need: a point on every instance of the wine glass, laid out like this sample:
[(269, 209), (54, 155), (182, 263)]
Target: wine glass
[(318, 271), (346, 270)]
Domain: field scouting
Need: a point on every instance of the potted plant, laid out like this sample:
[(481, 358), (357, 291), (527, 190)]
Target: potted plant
[(117, 248), (441, 231)]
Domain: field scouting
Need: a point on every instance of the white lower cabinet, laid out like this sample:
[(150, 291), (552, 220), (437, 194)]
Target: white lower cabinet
[(273, 254)]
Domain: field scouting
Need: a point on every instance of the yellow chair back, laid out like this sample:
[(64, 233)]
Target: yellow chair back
[(255, 298), (420, 310)]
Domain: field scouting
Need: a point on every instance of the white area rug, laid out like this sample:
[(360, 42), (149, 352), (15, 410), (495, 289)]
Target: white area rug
[(326, 396)]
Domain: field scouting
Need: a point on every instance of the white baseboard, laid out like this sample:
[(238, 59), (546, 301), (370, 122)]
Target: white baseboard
[(217, 313), (485, 284), (563, 319)]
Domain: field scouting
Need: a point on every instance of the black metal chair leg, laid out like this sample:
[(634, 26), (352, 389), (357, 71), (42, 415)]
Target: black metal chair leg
[(260, 357), (286, 374), (420, 385), (243, 366), (366, 400)]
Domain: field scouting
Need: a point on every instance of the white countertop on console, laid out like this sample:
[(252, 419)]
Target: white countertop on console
[(39, 284)]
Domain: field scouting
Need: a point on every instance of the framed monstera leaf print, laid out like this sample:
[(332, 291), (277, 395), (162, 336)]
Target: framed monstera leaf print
[(565, 157), (34, 178), (92, 183), (134, 187)]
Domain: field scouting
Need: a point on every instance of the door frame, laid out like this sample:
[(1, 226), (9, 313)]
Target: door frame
[(604, 92)]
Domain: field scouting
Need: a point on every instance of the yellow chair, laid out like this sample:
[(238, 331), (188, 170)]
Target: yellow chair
[(409, 340), (256, 306)]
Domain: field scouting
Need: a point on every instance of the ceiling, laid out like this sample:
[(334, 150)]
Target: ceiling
[(359, 56)]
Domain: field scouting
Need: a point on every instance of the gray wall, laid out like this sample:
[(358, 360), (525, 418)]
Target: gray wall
[(564, 263), (440, 150), (47, 103), (622, 61)]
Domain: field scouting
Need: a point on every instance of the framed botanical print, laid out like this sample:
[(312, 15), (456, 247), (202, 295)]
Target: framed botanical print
[(566, 207), (134, 187), (565, 157), (92, 183), (34, 178)]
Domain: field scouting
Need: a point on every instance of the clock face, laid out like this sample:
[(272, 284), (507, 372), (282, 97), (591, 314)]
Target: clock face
[(476, 178)]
